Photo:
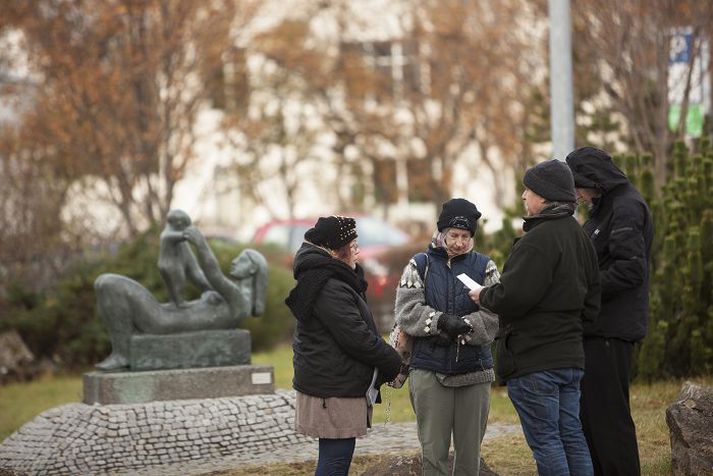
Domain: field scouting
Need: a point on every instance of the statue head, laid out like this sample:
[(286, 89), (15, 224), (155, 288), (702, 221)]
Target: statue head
[(178, 219), (252, 264)]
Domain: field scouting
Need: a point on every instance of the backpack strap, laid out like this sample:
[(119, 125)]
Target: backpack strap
[(481, 264), (422, 264)]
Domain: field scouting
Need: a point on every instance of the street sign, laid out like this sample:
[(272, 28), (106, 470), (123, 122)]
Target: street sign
[(688, 58)]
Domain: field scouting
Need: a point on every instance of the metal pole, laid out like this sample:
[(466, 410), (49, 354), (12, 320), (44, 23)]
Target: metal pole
[(562, 109)]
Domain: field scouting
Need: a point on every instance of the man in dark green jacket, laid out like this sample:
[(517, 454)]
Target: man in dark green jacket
[(548, 289)]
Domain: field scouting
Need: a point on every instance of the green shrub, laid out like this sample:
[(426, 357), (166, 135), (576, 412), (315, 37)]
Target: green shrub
[(680, 334), (277, 324)]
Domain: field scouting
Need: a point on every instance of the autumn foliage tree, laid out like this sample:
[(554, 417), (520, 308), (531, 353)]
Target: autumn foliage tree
[(274, 124), (402, 110), (120, 85), (110, 117), (480, 61), (33, 247), (453, 83)]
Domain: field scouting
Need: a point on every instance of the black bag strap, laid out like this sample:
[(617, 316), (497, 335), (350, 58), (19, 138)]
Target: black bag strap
[(422, 264)]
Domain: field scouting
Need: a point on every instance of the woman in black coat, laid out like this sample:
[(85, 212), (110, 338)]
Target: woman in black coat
[(338, 356)]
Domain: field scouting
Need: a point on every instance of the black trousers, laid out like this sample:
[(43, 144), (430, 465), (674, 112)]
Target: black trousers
[(604, 407)]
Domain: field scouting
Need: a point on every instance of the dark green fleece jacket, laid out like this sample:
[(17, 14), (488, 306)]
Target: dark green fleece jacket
[(549, 287)]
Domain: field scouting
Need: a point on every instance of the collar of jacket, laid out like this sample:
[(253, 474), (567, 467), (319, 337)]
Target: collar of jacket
[(598, 202), (442, 253), (313, 268), (552, 212)]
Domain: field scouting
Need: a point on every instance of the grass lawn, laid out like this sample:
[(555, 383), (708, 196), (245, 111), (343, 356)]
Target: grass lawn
[(507, 455), (20, 402)]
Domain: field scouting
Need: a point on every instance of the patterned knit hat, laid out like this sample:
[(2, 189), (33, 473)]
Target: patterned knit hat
[(332, 232)]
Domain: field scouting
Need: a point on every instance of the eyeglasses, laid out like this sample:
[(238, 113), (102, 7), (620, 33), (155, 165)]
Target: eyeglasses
[(458, 237)]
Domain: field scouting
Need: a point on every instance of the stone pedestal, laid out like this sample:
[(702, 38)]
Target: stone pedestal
[(180, 384), (189, 350)]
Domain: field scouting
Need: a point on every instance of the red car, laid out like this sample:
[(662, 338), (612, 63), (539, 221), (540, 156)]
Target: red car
[(376, 239)]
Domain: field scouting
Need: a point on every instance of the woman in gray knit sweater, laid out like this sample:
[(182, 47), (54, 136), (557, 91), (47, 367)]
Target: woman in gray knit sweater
[(451, 363)]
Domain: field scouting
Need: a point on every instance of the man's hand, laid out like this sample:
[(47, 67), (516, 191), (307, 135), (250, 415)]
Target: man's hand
[(475, 294), (453, 325)]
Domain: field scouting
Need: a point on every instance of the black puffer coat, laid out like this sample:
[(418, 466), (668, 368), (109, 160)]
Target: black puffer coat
[(621, 228), (336, 344)]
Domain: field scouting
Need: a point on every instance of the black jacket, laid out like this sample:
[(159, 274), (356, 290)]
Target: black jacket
[(621, 228), (549, 287), (336, 346)]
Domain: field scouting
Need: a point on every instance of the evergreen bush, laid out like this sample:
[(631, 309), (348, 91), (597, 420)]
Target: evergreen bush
[(680, 334), (680, 331)]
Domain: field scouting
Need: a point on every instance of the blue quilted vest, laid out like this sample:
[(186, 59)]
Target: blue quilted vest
[(445, 293)]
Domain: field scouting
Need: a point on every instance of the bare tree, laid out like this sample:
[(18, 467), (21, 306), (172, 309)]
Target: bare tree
[(401, 110), (480, 59), (455, 78), (33, 243), (124, 76), (622, 48), (276, 132)]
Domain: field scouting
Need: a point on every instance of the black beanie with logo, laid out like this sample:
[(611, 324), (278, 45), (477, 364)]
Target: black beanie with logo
[(459, 213)]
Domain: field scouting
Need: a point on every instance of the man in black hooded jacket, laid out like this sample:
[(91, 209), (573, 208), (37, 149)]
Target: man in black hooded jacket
[(621, 228)]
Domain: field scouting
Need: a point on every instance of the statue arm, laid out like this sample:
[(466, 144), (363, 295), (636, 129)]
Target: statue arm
[(211, 268), (172, 236), (194, 271), (208, 262)]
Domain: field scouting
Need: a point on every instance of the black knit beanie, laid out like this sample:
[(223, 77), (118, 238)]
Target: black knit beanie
[(459, 213), (552, 180), (332, 232)]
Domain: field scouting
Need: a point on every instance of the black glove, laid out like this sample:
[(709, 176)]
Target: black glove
[(442, 339), (453, 325)]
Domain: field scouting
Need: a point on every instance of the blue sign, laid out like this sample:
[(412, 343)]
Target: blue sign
[(681, 45)]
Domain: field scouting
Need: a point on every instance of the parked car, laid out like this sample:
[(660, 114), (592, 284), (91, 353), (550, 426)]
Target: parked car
[(377, 240)]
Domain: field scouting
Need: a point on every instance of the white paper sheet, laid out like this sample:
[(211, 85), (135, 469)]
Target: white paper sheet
[(372, 392), (468, 281)]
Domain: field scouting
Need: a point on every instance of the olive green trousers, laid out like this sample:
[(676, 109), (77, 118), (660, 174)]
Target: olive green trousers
[(442, 412)]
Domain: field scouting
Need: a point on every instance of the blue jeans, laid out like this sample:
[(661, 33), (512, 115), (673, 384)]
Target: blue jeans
[(335, 456), (548, 405)]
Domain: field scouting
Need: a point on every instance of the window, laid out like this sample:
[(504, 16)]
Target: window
[(228, 83), (383, 69)]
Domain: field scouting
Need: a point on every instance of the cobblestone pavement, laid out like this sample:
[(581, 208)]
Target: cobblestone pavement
[(184, 437), (389, 438), (112, 439)]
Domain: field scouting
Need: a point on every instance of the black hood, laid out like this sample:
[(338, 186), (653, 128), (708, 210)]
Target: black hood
[(308, 256), (313, 267), (594, 168)]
